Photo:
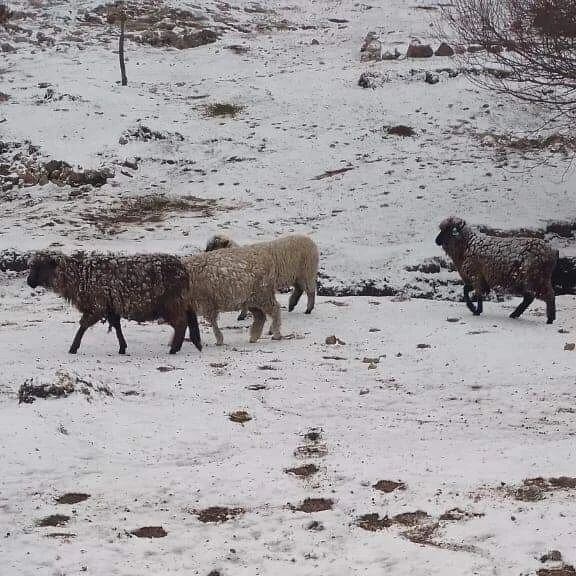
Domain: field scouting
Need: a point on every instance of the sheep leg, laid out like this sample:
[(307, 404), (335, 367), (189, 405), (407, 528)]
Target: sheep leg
[(86, 321), (179, 335), (243, 313), (257, 324), (294, 297), (468, 300), (550, 299), (311, 294), (194, 329), (528, 299), (213, 320), (114, 321)]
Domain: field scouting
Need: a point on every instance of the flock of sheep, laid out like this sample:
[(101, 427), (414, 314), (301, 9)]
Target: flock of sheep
[(227, 277)]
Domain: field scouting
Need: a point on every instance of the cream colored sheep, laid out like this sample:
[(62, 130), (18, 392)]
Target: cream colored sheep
[(295, 263), (227, 280)]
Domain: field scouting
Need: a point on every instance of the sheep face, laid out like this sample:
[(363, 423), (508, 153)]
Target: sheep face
[(218, 242), (42, 268), (450, 230)]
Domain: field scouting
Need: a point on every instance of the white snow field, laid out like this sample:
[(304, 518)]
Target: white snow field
[(425, 441)]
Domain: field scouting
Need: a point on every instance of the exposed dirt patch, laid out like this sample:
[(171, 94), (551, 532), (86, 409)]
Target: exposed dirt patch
[(149, 532), (388, 486), (54, 520), (304, 471), (142, 133), (456, 515), (363, 288), (29, 391), (552, 143), (565, 570), (72, 498), (311, 451), (219, 514), (140, 210), (310, 505), (222, 110), (373, 522), (534, 489), (411, 518)]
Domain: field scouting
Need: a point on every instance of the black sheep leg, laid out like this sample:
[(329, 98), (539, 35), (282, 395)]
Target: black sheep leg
[(114, 321), (194, 329), (85, 322), (294, 297), (468, 300), (528, 299), (178, 338)]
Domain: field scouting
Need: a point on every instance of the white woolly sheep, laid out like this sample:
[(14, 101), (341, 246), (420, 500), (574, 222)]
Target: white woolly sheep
[(228, 280), (109, 287), (521, 266), (295, 260)]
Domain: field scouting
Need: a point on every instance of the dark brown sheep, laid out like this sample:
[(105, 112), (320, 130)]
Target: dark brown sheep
[(108, 287), (521, 266)]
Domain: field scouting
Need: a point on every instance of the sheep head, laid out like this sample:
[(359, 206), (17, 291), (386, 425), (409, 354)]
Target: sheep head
[(451, 229), (43, 265), (220, 241)]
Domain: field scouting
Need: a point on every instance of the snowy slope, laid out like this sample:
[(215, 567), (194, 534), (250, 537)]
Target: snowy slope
[(460, 410)]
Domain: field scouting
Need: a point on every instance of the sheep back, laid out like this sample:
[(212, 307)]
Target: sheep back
[(141, 287)]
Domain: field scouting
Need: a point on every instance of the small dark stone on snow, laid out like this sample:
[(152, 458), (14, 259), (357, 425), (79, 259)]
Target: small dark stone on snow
[(422, 346), (444, 50), (401, 130), (452, 319), (552, 556), (419, 51), (431, 78)]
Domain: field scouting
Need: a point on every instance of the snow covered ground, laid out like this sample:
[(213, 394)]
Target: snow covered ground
[(455, 413)]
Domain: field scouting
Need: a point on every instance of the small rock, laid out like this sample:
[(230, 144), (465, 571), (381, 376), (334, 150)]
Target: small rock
[(552, 556), (417, 50), (314, 42), (240, 416), (7, 48), (364, 391), (374, 330), (570, 346), (444, 50), (372, 80), (452, 319), (422, 346), (315, 526), (371, 49), (371, 360), (372, 366), (332, 340), (431, 78), (390, 55), (475, 48), (404, 131)]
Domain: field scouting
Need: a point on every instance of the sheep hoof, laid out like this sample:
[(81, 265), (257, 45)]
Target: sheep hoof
[(550, 321), (277, 337), (122, 351), (308, 312), (253, 340), (73, 350), (290, 308)]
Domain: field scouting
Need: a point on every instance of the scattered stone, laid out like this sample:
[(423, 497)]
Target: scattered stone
[(332, 340), (552, 556), (149, 532), (240, 416), (411, 518), (388, 486), (54, 520), (310, 505), (401, 130), (315, 526), (371, 49), (456, 515), (423, 346), (564, 570), (72, 498), (417, 50), (166, 368), (375, 330), (431, 78), (303, 471), (314, 42), (444, 50), (473, 48), (338, 20), (372, 80), (570, 346), (7, 48), (529, 494), (4, 97), (367, 360), (387, 55), (453, 320)]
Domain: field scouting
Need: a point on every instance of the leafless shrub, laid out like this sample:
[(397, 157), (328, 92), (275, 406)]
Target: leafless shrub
[(534, 40)]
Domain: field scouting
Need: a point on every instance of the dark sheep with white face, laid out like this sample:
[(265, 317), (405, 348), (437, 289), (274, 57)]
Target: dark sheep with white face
[(108, 287), (520, 266)]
